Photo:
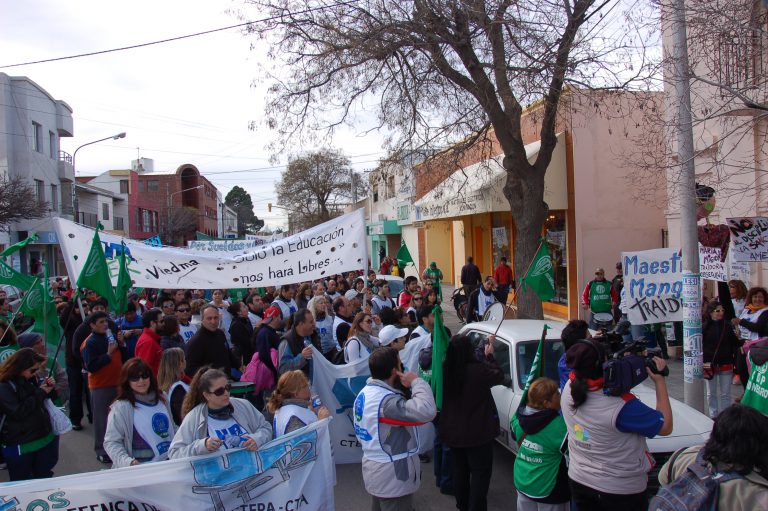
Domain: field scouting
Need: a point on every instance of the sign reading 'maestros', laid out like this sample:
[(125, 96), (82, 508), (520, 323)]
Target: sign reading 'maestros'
[(333, 247)]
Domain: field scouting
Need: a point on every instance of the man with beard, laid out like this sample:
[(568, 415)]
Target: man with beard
[(342, 320), (255, 309), (480, 300), (386, 414)]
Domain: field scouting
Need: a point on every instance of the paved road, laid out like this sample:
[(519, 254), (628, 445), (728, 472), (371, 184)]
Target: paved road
[(77, 455)]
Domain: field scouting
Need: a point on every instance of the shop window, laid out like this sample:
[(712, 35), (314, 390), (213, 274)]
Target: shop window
[(555, 232)]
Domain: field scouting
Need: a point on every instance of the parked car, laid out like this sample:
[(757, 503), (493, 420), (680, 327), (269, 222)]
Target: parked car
[(515, 348)]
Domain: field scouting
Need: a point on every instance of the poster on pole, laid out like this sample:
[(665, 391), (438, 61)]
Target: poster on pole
[(749, 238), (712, 268), (336, 246), (693, 354), (653, 284), (292, 472)]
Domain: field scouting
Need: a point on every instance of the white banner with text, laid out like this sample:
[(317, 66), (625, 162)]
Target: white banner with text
[(332, 247), (749, 238), (653, 280), (292, 472)]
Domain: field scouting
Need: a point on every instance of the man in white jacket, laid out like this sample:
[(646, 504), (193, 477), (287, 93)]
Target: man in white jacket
[(386, 421)]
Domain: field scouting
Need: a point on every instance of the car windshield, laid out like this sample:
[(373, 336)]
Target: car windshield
[(526, 352), (395, 287)]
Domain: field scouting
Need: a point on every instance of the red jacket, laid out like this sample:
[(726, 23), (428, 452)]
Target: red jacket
[(148, 349), (503, 275)]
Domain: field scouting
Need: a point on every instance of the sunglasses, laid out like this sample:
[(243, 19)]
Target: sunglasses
[(221, 390), (182, 310), (718, 310), (418, 299), (142, 376), (368, 321)]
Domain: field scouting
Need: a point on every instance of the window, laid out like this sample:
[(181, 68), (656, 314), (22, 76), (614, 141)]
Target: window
[(390, 187), (105, 210), (39, 191), (119, 224), (146, 222), (141, 186), (52, 145), (500, 353), (89, 219), (37, 137), (557, 238), (375, 193), (123, 186), (152, 185), (526, 352), (54, 198)]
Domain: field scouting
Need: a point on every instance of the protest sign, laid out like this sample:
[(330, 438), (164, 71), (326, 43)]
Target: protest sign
[(653, 284), (292, 472), (712, 267), (749, 238), (738, 270), (338, 386), (335, 246), (220, 245)]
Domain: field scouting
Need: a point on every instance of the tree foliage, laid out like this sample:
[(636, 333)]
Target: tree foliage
[(247, 221), (436, 72), (315, 188), (18, 201)]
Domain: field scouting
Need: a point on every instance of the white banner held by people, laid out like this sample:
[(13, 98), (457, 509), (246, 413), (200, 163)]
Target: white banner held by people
[(653, 284), (221, 245), (338, 386), (292, 472), (332, 247), (749, 238)]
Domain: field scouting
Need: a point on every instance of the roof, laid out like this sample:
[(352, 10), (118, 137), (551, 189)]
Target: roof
[(97, 191), (519, 329)]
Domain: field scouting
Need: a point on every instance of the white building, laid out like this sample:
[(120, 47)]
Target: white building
[(32, 122), (100, 205)]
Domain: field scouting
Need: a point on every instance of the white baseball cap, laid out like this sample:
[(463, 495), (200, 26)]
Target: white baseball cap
[(390, 333)]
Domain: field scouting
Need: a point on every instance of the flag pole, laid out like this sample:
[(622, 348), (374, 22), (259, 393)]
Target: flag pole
[(21, 304), (508, 304)]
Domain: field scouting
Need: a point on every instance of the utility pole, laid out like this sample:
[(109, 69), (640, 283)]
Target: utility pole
[(693, 386), (354, 186)]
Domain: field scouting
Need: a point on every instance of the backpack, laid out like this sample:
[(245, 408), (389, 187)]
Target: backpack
[(259, 374), (696, 490)]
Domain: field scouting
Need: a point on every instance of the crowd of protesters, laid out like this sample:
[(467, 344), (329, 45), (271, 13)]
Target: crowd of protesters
[(157, 383)]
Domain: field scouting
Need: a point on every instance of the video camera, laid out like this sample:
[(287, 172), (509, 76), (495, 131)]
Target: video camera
[(625, 367)]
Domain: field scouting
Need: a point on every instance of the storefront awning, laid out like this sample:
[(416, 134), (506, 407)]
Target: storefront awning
[(478, 188)]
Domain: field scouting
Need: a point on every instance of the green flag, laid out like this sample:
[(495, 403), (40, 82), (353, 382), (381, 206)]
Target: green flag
[(18, 246), (95, 272), (540, 277), (11, 277), (123, 282), (537, 367), (439, 347), (403, 256)]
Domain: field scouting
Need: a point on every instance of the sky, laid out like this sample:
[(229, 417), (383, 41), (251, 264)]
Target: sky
[(187, 101)]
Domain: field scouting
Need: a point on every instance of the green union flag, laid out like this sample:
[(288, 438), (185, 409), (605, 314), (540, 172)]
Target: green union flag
[(95, 272), (541, 276), (440, 342), (123, 282), (403, 256)]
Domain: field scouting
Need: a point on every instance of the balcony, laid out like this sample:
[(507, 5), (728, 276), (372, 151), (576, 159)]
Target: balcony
[(65, 168)]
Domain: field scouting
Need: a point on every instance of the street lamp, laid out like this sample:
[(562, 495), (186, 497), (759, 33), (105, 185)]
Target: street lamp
[(170, 202), (74, 171)]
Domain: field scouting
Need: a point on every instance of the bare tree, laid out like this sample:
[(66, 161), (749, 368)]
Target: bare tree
[(436, 72), (181, 221), (18, 201), (315, 188)]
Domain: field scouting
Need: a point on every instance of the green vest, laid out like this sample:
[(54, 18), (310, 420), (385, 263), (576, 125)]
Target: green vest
[(538, 459), (600, 296), (756, 393)]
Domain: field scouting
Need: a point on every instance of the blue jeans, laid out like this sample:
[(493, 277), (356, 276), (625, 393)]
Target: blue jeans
[(443, 465)]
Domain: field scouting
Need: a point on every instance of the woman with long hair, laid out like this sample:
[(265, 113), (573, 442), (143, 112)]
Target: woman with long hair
[(751, 324), (469, 421), (140, 425), (324, 324), (169, 333), (738, 291), (720, 345), (170, 380), (291, 404), (30, 447), (213, 420), (607, 434), (304, 295), (360, 342), (241, 332)]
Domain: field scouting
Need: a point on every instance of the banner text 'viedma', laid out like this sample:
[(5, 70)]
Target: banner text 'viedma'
[(336, 246)]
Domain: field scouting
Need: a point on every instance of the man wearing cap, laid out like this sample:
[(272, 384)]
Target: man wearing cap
[(598, 296), (209, 345), (393, 336)]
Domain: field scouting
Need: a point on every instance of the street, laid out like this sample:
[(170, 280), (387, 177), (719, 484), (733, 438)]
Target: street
[(76, 455)]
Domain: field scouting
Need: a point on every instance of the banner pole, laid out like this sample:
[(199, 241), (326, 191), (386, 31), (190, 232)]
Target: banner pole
[(21, 304)]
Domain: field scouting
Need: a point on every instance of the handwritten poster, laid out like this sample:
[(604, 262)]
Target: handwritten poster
[(654, 285), (712, 267), (749, 238)]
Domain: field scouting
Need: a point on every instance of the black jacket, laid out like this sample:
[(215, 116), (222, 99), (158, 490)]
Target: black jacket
[(469, 417), (241, 333), (26, 418), (69, 323), (208, 348), (717, 351), (81, 334), (470, 275), (472, 305)]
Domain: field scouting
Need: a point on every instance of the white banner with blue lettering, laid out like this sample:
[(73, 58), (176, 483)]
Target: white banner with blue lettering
[(337, 386), (332, 247), (653, 285), (292, 472)]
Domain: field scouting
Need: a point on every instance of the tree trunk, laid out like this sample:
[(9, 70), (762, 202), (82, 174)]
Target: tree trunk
[(524, 190)]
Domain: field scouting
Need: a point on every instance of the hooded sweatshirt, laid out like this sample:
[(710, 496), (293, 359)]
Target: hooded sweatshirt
[(540, 471)]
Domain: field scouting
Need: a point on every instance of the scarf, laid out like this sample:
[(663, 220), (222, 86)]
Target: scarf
[(221, 414), (753, 308), (365, 339), (150, 398)]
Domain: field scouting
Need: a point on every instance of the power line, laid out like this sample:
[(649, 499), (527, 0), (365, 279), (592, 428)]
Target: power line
[(178, 38)]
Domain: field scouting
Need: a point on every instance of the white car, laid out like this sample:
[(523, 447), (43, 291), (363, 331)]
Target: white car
[(515, 348)]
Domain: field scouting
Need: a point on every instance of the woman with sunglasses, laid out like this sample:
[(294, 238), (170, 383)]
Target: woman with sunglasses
[(360, 342), (720, 344), (417, 300), (140, 423), (213, 420), (30, 447)]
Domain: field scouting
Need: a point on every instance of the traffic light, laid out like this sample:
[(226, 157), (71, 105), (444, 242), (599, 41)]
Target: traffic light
[(269, 207)]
